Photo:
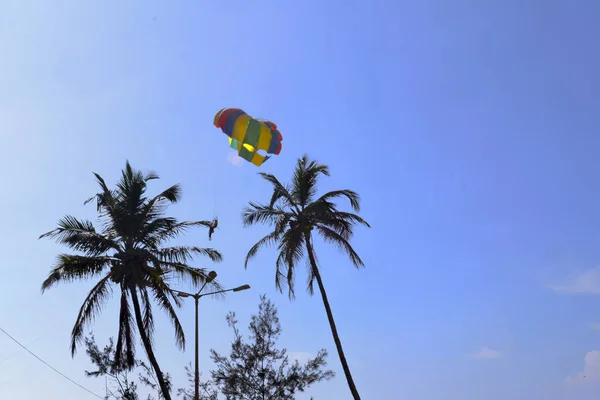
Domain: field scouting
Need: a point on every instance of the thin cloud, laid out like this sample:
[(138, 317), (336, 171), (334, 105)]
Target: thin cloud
[(486, 353), (234, 159), (591, 370), (596, 327), (586, 282), (302, 356)]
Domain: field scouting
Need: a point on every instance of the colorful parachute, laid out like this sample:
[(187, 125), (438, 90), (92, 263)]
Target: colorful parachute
[(252, 138)]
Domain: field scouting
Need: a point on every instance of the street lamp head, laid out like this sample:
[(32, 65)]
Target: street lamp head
[(240, 288), (182, 294), (211, 276)]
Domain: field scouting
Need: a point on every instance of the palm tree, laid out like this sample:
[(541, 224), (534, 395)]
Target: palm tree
[(127, 253), (294, 212)]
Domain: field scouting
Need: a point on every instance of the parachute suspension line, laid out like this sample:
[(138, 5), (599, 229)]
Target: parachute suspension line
[(215, 218), (247, 135), (216, 179)]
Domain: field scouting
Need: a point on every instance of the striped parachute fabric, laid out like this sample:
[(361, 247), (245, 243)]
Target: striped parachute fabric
[(253, 139)]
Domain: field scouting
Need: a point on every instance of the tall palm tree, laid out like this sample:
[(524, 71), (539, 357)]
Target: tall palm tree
[(295, 213), (127, 253)]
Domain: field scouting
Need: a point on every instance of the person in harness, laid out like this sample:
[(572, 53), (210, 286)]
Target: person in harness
[(211, 228)]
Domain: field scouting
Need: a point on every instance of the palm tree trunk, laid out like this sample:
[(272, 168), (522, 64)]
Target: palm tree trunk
[(336, 337), (148, 346)]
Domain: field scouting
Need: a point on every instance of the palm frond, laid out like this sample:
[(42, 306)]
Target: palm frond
[(184, 254), (106, 197), (270, 239), (172, 194), (310, 274), (351, 195), (291, 251), (153, 230), (163, 301), (197, 276), (131, 190), (280, 191), (148, 318), (108, 208), (164, 229), (281, 225), (69, 268), (151, 176), (281, 273), (261, 214), (157, 276), (351, 218), (341, 226), (91, 306), (326, 213), (81, 235), (305, 178), (153, 209), (333, 237), (343, 223), (125, 337)]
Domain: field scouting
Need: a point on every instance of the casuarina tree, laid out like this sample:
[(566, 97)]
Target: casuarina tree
[(256, 369), (121, 388), (118, 373)]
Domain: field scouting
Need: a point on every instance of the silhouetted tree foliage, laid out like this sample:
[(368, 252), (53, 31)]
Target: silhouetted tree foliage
[(208, 390), (256, 369), (297, 216), (121, 388), (126, 251), (148, 378), (117, 372)]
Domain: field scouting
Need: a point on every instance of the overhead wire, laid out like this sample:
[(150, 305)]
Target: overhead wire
[(50, 366), (18, 351), (29, 344)]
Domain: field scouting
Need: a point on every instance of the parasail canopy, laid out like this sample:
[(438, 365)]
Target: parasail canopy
[(254, 139)]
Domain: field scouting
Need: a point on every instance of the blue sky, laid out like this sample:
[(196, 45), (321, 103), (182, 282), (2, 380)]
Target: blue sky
[(469, 128)]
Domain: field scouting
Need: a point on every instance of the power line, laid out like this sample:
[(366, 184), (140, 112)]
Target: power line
[(18, 351), (50, 366), (30, 343)]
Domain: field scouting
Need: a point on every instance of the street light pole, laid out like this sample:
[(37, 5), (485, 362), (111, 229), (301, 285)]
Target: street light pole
[(197, 376), (211, 276)]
